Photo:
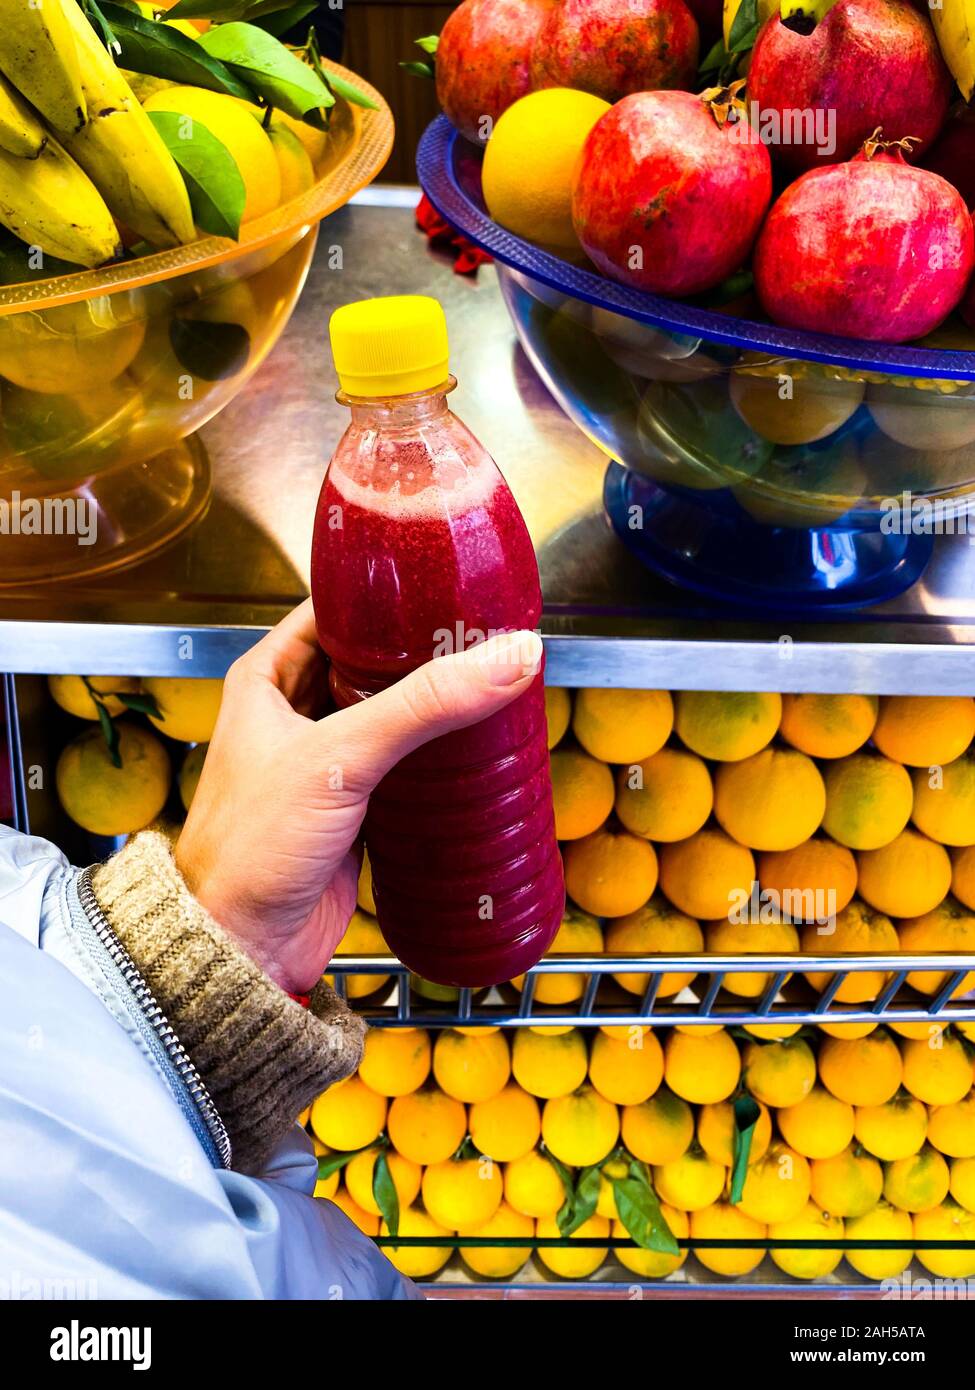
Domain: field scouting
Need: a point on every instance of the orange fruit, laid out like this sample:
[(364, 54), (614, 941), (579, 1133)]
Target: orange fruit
[(777, 1186), (427, 1126), (868, 800), (906, 878), (461, 1190), (951, 1128), (471, 1066), (925, 730), (772, 800), (846, 1030), (395, 1061), (659, 1130), (507, 1126), (858, 930), (893, 1130), (861, 1071), (750, 938), (417, 1261), (665, 797), (716, 1132), (368, 1224), (962, 1186), (948, 1221), (812, 1223), (563, 1260), (812, 882), (579, 935), (581, 1128), (818, 1126), (727, 725), (558, 712), (610, 873), (702, 1070), (944, 801), (623, 1073), (493, 1261), (963, 875), (938, 1070), (549, 1064), (883, 1222), (707, 874), (949, 927), (828, 726), (582, 793), (349, 1115), (690, 1182), (622, 726), (533, 1186), (362, 938), (779, 1074), (653, 1264), (918, 1182), (850, 1183), (359, 1176), (724, 1222), (654, 929)]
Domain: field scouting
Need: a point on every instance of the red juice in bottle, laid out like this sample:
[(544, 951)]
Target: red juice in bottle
[(419, 548)]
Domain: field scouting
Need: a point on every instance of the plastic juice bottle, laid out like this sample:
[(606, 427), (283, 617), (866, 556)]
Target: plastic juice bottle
[(419, 548)]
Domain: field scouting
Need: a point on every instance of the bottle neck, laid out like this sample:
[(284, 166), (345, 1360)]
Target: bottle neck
[(398, 412)]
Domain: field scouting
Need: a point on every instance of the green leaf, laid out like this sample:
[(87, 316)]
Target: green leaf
[(109, 730), (348, 91), (638, 1207), (162, 51), (745, 27), (213, 181), (331, 1163), (281, 21), (429, 44), (582, 1203), (270, 69), (384, 1191), (747, 1115), (224, 10), (715, 59), (140, 704), (418, 69)]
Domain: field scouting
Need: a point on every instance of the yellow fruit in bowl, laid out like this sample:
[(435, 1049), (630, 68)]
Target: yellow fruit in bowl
[(706, 875), (653, 1264), (725, 1222), (558, 712), (532, 1185), (580, 1128), (571, 1263), (236, 129), (579, 935), (498, 1262), (918, 1182), (779, 1074), (949, 927), (790, 411), (777, 1186), (395, 1061), (665, 797), (727, 938), (656, 928), (108, 800), (923, 419), (907, 878), (582, 792), (925, 730), (188, 707), (948, 1221), (944, 801), (716, 1132), (426, 1126), (818, 1126), (471, 1066), (702, 1070), (417, 1261), (882, 1222), (659, 1130), (828, 726), (360, 1172), (862, 1071), (622, 726), (610, 873), (530, 161), (937, 1071), (951, 1128), (691, 1182), (462, 1190), (349, 1115), (849, 1184), (812, 1223), (773, 800), (893, 1130), (857, 930), (507, 1126), (297, 173), (73, 348), (626, 1073), (549, 1064), (727, 726), (71, 693), (869, 800)]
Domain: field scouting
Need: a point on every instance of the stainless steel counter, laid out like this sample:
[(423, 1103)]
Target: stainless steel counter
[(608, 621)]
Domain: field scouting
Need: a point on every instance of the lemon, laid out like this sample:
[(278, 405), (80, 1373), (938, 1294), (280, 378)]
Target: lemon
[(724, 1222), (777, 1187), (530, 161), (498, 1262), (653, 1264), (189, 707), (690, 1182), (471, 1067), (360, 1172), (549, 1064), (71, 693), (581, 1128), (462, 1190), (395, 1061), (239, 132), (810, 1224), (109, 800), (73, 348), (189, 773), (948, 1221), (812, 408), (919, 1182), (848, 1184), (882, 1222), (294, 165), (569, 1263), (716, 1132), (348, 1115), (532, 1185), (507, 1126), (417, 1261), (659, 1130)]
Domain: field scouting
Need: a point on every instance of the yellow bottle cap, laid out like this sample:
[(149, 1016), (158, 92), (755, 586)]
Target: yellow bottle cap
[(390, 347)]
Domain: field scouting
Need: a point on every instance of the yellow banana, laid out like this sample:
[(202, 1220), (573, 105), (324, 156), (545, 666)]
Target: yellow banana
[(120, 150), (954, 24), (49, 202), (766, 9), (37, 54), (811, 10), (21, 133)]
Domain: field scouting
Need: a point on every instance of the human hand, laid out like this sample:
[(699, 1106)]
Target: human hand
[(267, 847)]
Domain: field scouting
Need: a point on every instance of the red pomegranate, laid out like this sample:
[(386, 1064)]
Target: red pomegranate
[(868, 63), (614, 47), (669, 195), (484, 60), (875, 248), (953, 153)]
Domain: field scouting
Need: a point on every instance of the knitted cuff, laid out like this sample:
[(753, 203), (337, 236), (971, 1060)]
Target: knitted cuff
[(262, 1057)]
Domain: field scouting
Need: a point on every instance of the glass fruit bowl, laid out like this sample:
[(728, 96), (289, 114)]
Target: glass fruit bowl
[(106, 374), (750, 462)]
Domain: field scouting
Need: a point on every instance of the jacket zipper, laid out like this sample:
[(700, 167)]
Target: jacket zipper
[(145, 999)]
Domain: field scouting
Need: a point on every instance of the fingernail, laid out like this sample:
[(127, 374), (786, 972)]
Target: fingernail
[(509, 658)]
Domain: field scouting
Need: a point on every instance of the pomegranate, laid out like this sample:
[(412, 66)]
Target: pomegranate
[(868, 63), (875, 248), (953, 153), (484, 60), (614, 47), (668, 195)]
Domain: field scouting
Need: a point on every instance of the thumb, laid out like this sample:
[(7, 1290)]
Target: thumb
[(450, 692)]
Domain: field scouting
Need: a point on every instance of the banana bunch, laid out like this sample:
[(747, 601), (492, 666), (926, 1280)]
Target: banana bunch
[(954, 24), (77, 151)]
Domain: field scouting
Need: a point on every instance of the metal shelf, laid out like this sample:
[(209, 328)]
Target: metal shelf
[(607, 620)]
